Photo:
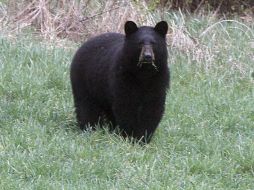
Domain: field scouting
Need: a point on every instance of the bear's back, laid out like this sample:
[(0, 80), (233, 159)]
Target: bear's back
[(101, 45)]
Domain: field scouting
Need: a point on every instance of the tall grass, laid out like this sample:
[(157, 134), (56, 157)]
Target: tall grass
[(73, 19), (205, 140)]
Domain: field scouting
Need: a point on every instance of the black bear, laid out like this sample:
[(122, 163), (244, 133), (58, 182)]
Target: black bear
[(123, 78)]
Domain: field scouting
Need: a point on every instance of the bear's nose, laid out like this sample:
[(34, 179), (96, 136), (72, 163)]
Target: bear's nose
[(148, 56)]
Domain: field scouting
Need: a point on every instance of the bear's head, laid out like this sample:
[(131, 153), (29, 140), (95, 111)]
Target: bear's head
[(146, 45)]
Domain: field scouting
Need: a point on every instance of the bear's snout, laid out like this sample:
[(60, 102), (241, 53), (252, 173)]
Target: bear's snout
[(146, 54)]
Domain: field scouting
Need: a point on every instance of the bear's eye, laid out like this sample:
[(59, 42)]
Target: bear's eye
[(153, 42), (140, 43)]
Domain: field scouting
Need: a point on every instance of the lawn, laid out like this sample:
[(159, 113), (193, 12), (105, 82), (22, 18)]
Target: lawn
[(205, 140)]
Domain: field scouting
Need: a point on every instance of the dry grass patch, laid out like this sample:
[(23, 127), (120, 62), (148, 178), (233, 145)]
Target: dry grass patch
[(74, 20)]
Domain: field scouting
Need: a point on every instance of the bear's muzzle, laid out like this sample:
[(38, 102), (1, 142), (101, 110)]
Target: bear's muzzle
[(146, 56)]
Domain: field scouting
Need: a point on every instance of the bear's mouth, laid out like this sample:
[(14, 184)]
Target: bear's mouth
[(147, 63)]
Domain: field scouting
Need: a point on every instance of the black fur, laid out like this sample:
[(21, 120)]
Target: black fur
[(108, 80)]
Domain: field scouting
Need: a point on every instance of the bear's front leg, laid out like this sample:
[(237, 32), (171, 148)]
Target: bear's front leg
[(148, 117), (138, 120), (125, 113)]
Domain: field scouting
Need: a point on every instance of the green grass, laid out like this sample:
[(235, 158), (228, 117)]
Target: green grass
[(205, 140)]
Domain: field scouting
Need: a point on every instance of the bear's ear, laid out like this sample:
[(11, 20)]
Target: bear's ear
[(161, 28), (130, 27)]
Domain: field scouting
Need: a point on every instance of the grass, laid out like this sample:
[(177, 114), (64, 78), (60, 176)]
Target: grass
[(205, 140)]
